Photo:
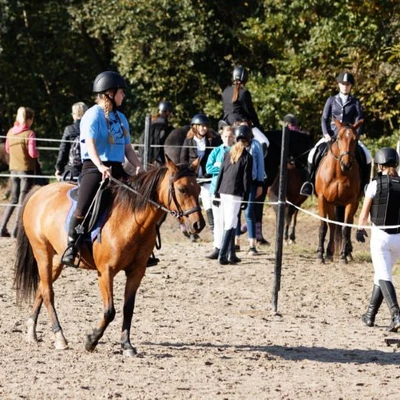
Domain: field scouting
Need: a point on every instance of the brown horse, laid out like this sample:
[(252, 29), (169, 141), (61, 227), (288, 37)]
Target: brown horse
[(127, 240), (295, 178), (338, 187)]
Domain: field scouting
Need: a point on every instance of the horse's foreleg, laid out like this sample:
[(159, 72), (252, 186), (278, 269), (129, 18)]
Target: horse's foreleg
[(133, 280), (347, 247), (106, 288), (294, 223)]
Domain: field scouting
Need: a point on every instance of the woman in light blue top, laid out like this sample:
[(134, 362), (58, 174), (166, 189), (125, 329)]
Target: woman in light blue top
[(105, 142)]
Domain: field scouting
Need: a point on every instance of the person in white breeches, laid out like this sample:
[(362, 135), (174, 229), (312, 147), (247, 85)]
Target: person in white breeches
[(382, 199), (232, 190), (213, 166)]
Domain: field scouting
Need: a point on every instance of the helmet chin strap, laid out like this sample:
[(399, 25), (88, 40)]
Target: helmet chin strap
[(112, 99)]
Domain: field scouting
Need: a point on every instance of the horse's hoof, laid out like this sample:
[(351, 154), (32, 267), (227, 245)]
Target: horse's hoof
[(89, 344), (60, 342), (129, 352), (343, 261), (31, 336)]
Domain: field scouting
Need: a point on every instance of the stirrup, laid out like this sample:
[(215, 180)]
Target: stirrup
[(152, 261), (307, 189)]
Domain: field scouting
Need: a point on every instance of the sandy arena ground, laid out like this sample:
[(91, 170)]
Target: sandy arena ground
[(206, 331)]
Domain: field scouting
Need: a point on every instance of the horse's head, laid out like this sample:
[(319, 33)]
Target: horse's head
[(347, 142), (183, 194)]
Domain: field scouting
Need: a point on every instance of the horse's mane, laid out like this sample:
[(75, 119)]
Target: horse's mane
[(147, 184)]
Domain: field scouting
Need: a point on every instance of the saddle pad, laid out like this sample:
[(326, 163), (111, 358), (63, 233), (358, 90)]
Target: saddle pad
[(95, 233)]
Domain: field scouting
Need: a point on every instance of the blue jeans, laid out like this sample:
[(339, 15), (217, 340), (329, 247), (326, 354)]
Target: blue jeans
[(249, 213)]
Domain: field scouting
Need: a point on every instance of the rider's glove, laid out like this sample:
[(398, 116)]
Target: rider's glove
[(360, 235)]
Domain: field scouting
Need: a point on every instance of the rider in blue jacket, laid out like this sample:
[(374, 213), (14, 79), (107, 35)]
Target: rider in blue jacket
[(346, 109)]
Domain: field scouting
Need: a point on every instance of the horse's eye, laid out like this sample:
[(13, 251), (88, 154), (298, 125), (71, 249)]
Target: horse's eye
[(182, 189)]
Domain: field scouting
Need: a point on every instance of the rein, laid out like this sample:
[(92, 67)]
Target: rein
[(171, 194)]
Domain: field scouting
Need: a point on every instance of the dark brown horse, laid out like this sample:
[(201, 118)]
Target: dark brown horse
[(338, 187), (295, 178), (127, 240), (4, 157)]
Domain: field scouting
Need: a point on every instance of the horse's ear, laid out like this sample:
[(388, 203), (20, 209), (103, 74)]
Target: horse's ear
[(170, 164), (337, 123), (195, 165), (358, 124)]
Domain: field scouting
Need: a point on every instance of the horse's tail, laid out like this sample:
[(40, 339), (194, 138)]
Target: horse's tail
[(26, 273)]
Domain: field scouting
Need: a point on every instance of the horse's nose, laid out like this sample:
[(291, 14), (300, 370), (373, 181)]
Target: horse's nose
[(199, 225)]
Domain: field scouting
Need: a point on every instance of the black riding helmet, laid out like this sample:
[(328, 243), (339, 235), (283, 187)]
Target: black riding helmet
[(290, 119), (239, 74), (165, 106), (108, 80), (387, 156), (243, 132), (345, 77), (200, 119)]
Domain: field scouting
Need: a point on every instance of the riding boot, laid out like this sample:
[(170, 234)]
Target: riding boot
[(214, 254), (210, 218), (153, 260), (69, 255), (389, 294), (232, 257), (6, 217), (307, 189), (223, 252), (376, 300)]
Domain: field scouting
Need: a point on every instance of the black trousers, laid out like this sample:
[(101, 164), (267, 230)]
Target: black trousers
[(89, 183)]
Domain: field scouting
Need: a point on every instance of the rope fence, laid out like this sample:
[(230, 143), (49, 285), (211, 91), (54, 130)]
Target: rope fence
[(200, 180)]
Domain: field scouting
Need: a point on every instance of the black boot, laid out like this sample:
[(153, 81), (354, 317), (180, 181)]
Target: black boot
[(376, 300), (389, 293), (69, 255), (232, 258), (6, 217), (223, 252), (307, 189), (153, 260), (210, 218), (214, 254)]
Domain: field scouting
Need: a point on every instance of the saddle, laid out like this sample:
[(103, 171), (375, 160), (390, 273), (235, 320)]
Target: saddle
[(96, 215)]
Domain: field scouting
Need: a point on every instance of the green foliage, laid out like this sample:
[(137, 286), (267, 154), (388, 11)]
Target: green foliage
[(184, 51)]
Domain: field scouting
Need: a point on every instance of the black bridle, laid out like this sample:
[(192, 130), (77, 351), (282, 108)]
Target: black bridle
[(341, 155)]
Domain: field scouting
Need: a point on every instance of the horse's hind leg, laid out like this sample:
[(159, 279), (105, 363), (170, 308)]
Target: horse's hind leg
[(45, 290), (322, 234), (33, 318), (330, 249)]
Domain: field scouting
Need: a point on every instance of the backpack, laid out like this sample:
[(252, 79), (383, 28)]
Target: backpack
[(74, 158)]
